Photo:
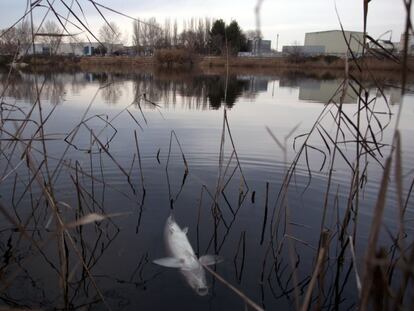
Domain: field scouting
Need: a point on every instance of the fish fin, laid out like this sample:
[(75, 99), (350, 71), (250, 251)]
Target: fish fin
[(170, 262), (171, 217), (185, 230), (208, 260)]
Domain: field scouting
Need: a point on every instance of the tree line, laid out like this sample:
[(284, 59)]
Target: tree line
[(16, 39), (197, 35), (201, 36)]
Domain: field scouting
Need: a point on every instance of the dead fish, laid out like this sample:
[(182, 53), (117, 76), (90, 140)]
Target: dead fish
[(182, 257)]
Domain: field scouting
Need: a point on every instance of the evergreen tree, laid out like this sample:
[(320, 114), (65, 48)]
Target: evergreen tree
[(217, 37), (231, 36), (236, 40)]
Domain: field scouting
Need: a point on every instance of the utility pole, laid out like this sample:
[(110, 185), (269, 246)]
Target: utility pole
[(277, 43)]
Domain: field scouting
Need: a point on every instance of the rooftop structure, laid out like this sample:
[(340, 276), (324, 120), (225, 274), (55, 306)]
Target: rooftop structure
[(258, 46)]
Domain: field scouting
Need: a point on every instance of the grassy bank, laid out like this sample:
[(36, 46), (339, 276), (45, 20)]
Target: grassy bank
[(302, 63), (127, 65), (265, 63), (207, 63)]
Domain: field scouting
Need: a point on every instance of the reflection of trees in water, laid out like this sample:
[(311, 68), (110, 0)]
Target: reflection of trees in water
[(54, 87), (222, 91), (16, 86), (190, 90), (195, 91), (51, 86), (111, 85), (111, 92)]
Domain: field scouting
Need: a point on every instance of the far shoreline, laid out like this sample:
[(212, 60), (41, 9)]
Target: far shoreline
[(319, 67)]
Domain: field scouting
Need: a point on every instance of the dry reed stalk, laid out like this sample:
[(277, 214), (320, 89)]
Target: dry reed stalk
[(173, 134), (323, 249), (242, 244), (373, 237), (265, 213), (140, 163), (246, 299)]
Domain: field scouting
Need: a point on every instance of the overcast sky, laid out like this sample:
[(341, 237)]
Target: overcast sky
[(291, 19)]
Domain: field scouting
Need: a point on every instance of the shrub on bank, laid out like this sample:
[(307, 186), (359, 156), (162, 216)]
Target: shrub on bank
[(174, 57)]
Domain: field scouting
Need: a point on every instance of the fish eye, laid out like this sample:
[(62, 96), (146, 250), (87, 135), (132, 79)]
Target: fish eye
[(202, 291)]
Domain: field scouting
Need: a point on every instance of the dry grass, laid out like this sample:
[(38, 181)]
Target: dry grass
[(183, 59), (174, 58), (370, 63)]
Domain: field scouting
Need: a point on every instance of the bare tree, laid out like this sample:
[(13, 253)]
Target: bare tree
[(195, 34), (24, 34), (110, 35), (167, 33), (148, 35), (207, 27), (51, 35), (154, 33), (188, 39), (17, 39), (200, 40), (8, 42), (175, 33), (136, 36)]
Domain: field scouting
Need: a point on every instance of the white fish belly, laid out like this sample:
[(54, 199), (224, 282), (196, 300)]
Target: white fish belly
[(177, 243)]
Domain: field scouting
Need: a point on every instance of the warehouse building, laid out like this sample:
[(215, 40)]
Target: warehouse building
[(410, 44), (334, 41), (73, 49), (76, 49)]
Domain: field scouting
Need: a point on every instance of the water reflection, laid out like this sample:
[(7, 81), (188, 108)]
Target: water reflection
[(198, 91), (323, 91), (222, 90), (50, 86), (328, 88), (135, 173)]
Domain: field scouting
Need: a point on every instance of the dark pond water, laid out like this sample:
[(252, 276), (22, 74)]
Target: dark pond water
[(86, 176)]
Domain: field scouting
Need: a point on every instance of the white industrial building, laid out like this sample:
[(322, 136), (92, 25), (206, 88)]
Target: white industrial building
[(76, 49), (334, 41)]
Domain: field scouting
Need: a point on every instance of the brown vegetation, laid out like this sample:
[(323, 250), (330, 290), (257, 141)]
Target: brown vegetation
[(303, 63), (118, 61), (174, 57), (52, 62)]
